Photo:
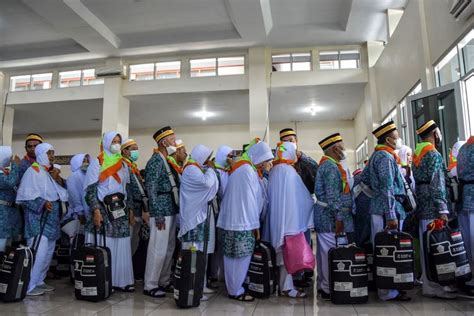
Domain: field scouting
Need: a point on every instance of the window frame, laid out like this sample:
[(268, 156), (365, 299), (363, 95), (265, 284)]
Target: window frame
[(291, 62), (358, 61)]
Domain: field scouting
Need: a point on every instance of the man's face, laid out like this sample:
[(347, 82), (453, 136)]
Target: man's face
[(290, 138), (126, 151), (50, 154), (181, 154), (169, 140), (30, 147)]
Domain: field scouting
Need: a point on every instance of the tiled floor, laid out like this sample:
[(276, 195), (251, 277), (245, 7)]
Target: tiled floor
[(62, 303)]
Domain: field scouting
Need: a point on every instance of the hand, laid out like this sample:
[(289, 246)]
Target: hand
[(146, 217), (339, 227), (48, 206), (392, 224), (298, 154), (444, 217), (211, 164), (16, 160), (131, 218), (160, 223), (256, 234), (55, 173), (97, 219)]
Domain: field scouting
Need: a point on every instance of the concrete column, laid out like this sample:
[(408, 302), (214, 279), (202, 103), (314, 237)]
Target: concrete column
[(6, 113), (428, 82), (116, 108), (258, 95)]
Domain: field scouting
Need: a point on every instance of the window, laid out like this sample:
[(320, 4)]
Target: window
[(392, 116), (404, 112), (168, 70), (292, 62), (76, 78), (142, 72), (89, 78), (362, 153), (343, 59), (457, 62), (230, 66), (205, 67), (20, 83)]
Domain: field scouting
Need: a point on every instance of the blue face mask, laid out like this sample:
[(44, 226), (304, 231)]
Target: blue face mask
[(134, 155)]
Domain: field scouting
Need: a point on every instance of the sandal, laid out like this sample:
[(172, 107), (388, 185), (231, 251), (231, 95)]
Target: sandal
[(242, 297), (155, 293), (294, 294), (127, 289)]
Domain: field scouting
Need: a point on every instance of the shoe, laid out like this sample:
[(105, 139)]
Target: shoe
[(204, 298), (167, 289), (45, 287), (155, 293), (36, 292), (418, 282), (207, 290), (442, 295), (325, 296), (401, 298), (450, 289)]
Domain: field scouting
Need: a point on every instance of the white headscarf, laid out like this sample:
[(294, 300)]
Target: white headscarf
[(196, 190), (244, 197), (76, 162), (5, 156), (221, 161), (291, 206), (454, 152), (39, 184), (403, 154), (76, 185)]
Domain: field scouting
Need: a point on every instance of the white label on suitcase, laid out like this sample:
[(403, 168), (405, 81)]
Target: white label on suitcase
[(89, 291), (446, 268), (176, 294), (3, 288), (343, 286), (386, 272), (256, 287), (359, 292), (403, 278), (463, 270), (78, 285)]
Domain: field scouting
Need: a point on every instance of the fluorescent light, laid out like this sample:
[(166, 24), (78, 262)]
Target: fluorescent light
[(312, 110), (204, 115)]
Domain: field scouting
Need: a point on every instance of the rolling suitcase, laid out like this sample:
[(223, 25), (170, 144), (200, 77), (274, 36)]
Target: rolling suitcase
[(261, 277), (93, 271), (348, 280), (445, 256), (393, 261), (189, 273), (60, 265), (16, 268), (369, 253), (77, 242)]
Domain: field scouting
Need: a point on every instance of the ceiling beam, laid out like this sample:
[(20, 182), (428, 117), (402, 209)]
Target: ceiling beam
[(345, 12), (252, 19)]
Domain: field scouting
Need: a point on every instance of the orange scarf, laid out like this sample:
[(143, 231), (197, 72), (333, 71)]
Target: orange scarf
[(174, 165), (453, 162), (241, 163), (112, 171), (280, 159), (133, 167), (345, 185), (421, 150), (470, 140), (390, 151), (191, 163)]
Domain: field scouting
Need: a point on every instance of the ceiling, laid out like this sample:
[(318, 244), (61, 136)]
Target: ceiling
[(333, 102), (36, 32)]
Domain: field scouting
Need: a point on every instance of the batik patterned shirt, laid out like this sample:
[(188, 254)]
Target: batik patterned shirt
[(10, 219), (466, 174), (35, 213)]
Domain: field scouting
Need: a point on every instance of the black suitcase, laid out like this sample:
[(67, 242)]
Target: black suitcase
[(348, 280), (139, 258), (16, 268), (261, 277), (189, 273), (369, 253), (93, 271), (60, 265), (77, 242), (393, 261), (445, 256)]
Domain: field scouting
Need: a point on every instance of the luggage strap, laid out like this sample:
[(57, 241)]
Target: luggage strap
[(37, 239), (210, 208), (174, 187), (325, 205), (142, 192), (103, 233)]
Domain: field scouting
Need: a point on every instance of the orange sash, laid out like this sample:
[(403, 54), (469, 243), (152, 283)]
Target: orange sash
[(342, 171)]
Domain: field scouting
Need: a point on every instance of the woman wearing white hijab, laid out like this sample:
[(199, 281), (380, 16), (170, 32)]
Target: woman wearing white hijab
[(222, 165), (198, 188), (406, 158), (107, 176), (453, 159), (10, 219), (239, 217), (41, 196), (290, 209)]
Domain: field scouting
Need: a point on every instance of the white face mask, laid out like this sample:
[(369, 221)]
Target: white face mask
[(115, 148), (399, 143), (170, 150)]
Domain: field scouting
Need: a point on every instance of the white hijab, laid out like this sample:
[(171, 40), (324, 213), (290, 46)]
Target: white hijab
[(76, 183), (244, 197), (40, 184), (198, 187), (455, 152), (291, 206), (221, 160), (403, 154), (5, 156)]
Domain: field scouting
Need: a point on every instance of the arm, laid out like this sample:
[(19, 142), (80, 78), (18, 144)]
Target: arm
[(309, 161), (438, 184), (36, 206), (333, 189), (75, 196), (11, 181)]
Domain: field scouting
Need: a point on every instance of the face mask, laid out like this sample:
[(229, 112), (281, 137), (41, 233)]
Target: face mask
[(398, 143), (134, 154), (439, 141), (170, 150), (115, 148), (84, 167), (343, 155)]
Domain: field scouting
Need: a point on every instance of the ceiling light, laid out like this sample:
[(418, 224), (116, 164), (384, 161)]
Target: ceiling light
[(312, 110), (204, 114)]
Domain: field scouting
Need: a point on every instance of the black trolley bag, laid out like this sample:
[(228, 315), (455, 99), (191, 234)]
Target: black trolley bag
[(93, 271), (394, 260), (369, 253), (446, 259), (348, 280), (190, 271), (261, 277), (16, 268), (77, 242), (60, 264)]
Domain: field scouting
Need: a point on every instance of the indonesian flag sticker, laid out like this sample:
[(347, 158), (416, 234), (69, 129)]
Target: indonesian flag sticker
[(360, 256), (456, 236), (405, 243)]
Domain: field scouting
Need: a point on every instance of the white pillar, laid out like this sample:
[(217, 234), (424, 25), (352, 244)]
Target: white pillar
[(428, 82), (258, 95), (116, 108), (6, 113)]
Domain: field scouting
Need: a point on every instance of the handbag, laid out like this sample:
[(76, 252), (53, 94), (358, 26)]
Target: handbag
[(114, 205)]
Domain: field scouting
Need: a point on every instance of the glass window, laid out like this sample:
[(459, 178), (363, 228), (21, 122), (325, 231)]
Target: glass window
[(392, 116), (362, 153), (448, 69), (142, 72), (470, 102), (89, 78), (301, 62), (231, 66), (20, 83), (329, 60), (205, 67), (41, 81), (466, 47), (69, 78), (281, 62), (168, 70), (349, 59), (344, 59)]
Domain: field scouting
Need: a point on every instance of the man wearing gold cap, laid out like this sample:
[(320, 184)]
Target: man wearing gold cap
[(431, 194), (32, 140), (333, 209), (383, 178), (162, 188)]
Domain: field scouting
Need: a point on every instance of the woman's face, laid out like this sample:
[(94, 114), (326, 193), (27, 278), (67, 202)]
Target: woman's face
[(117, 140), (409, 157)]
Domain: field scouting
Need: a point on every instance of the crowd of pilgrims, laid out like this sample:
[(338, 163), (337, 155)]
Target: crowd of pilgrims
[(261, 194)]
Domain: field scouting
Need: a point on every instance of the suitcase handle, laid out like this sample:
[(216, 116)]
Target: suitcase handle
[(37, 239), (102, 228)]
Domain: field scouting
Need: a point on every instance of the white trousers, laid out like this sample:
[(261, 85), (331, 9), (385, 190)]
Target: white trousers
[(235, 270), (466, 223), (285, 282), (325, 241), (160, 253), (121, 253), (42, 261), (377, 225), (134, 233)]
